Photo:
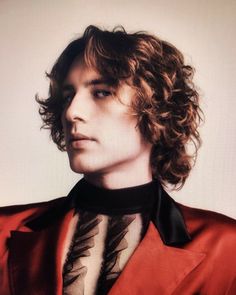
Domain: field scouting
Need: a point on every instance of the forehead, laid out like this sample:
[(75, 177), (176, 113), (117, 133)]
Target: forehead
[(82, 74), (79, 71)]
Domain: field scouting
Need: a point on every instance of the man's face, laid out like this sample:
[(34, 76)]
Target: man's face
[(100, 130)]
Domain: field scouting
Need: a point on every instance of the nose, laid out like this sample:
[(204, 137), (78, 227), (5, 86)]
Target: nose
[(78, 109)]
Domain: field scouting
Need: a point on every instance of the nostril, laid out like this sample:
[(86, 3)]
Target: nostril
[(72, 116)]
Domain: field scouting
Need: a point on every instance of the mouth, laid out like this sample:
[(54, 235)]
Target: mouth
[(79, 141)]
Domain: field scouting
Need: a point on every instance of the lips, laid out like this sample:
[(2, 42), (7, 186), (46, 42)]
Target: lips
[(79, 136), (79, 140)]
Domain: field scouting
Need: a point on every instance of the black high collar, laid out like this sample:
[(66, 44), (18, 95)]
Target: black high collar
[(166, 214), (127, 200)]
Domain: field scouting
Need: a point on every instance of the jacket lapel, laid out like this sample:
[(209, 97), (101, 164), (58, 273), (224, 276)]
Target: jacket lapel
[(35, 259), (155, 268)]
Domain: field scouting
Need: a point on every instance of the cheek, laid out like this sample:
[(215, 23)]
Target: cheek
[(121, 135)]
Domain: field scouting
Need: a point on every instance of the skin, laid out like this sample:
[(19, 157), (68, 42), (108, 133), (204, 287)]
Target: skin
[(115, 155)]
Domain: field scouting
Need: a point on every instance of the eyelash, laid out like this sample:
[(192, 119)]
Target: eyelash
[(96, 93), (67, 98), (104, 92)]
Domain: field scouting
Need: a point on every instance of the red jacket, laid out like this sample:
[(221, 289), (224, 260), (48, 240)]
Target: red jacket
[(166, 261)]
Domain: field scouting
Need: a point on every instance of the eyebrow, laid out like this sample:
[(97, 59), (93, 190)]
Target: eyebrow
[(99, 81), (93, 82)]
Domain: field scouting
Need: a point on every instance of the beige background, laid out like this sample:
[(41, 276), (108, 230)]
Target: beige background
[(33, 33)]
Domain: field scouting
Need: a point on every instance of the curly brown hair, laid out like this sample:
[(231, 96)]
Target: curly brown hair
[(166, 104)]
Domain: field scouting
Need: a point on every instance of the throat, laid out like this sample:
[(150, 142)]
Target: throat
[(134, 175)]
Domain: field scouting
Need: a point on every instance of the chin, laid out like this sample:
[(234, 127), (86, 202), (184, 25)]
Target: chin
[(82, 167), (78, 168)]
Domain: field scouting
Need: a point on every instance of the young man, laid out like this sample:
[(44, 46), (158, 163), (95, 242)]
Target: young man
[(124, 108)]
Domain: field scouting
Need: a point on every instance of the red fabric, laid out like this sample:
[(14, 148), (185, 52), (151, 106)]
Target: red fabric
[(30, 261)]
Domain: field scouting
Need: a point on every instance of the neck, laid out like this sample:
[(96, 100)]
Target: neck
[(121, 178)]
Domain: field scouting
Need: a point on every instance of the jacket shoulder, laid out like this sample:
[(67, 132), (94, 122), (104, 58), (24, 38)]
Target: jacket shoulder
[(210, 229), (14, 218), (15, 215), (195, 217)]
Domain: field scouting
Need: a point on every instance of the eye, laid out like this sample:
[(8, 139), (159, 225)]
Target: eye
[(67, 98), (101, 93)]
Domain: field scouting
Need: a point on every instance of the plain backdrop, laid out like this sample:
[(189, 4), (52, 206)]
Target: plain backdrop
[(33, 34)]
